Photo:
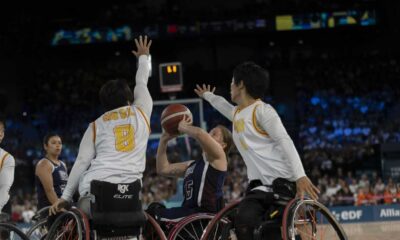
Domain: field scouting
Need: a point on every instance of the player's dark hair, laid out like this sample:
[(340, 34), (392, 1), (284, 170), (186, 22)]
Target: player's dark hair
[(46, 138), (227, 138), (114, 94), (254, 78)]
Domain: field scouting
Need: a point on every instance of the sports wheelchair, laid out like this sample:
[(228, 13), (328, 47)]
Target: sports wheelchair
[(288, 218), (111, 211), (115, 215)]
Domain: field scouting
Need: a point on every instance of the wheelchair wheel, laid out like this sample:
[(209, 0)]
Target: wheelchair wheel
[(222, 226), (310, 220), (39, 228), (191, 227), (152, 230), (11, 232), (67, 226)]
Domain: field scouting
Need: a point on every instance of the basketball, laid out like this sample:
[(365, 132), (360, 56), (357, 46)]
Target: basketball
[(172, 115)]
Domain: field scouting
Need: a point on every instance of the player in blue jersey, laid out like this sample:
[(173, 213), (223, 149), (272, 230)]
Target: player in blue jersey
[(51, 173), (204, 178)]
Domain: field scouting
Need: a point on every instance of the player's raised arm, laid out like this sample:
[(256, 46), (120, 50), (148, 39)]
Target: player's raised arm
[(164, 167), (142, 97), (218, 102), (214, 151)]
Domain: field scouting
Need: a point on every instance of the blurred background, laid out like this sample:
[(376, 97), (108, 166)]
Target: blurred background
[(335, 81)]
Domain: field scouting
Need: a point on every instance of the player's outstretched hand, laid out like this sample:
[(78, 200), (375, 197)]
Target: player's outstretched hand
[(200, 90), (305, 186), (142, 45)]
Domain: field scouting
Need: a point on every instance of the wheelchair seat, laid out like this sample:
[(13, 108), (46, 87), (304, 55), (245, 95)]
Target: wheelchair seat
[(116, 209)]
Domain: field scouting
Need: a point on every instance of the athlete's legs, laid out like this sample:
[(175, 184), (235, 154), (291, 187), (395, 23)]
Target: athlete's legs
[(250, 214)]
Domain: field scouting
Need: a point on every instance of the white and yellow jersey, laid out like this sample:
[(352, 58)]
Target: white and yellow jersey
[(264, 154), (120, 139), (7, 167), (113, 148)]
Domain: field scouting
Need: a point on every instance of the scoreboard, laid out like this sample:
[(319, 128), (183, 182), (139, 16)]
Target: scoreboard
[(171, 77)]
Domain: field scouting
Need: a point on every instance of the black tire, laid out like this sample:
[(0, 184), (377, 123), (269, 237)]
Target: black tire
[(12, 232), (305, 219), (69, 218)]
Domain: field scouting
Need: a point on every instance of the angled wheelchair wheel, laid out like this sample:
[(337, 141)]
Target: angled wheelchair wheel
[(310, 220), (67, 226), (191, 227), (222, 226), (152, 230), (38, 230), (39, 227), (11, 232)]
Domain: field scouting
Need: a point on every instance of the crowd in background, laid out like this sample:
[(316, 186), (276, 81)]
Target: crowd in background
[(345, 107)]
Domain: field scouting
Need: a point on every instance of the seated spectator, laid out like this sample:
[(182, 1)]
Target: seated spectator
[(345, 197)]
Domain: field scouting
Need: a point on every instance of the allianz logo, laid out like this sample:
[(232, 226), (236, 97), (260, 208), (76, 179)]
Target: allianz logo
[(348, 215), (389, 212)]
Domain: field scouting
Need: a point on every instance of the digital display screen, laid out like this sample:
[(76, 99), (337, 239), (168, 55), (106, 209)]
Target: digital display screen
[(171, 77)]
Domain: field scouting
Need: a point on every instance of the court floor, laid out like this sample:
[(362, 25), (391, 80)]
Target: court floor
[(373, 230)]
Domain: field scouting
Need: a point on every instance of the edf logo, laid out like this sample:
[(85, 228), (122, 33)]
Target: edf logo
[(348, 215)]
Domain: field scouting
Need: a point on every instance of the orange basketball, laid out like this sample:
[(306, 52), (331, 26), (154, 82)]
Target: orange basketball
[(172, 115)]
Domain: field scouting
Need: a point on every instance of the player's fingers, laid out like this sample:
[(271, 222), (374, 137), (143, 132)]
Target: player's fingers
[(300, 195), (137, 43), (316, 189), (213, 90), (312, 193), (204, 87), (145, 40), (149, 44), (135, 53), (52, 211), (141, 40), (187, 118)]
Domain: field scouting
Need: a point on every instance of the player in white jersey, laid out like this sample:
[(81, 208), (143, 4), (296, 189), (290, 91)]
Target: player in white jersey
[(262, 140), (113, 148), (7, 168)]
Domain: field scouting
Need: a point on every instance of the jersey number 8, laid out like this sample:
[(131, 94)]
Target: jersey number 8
[(124, 138)]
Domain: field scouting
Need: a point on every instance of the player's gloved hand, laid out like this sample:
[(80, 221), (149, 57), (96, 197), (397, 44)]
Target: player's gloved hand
[(305, 186), (200, 90)]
